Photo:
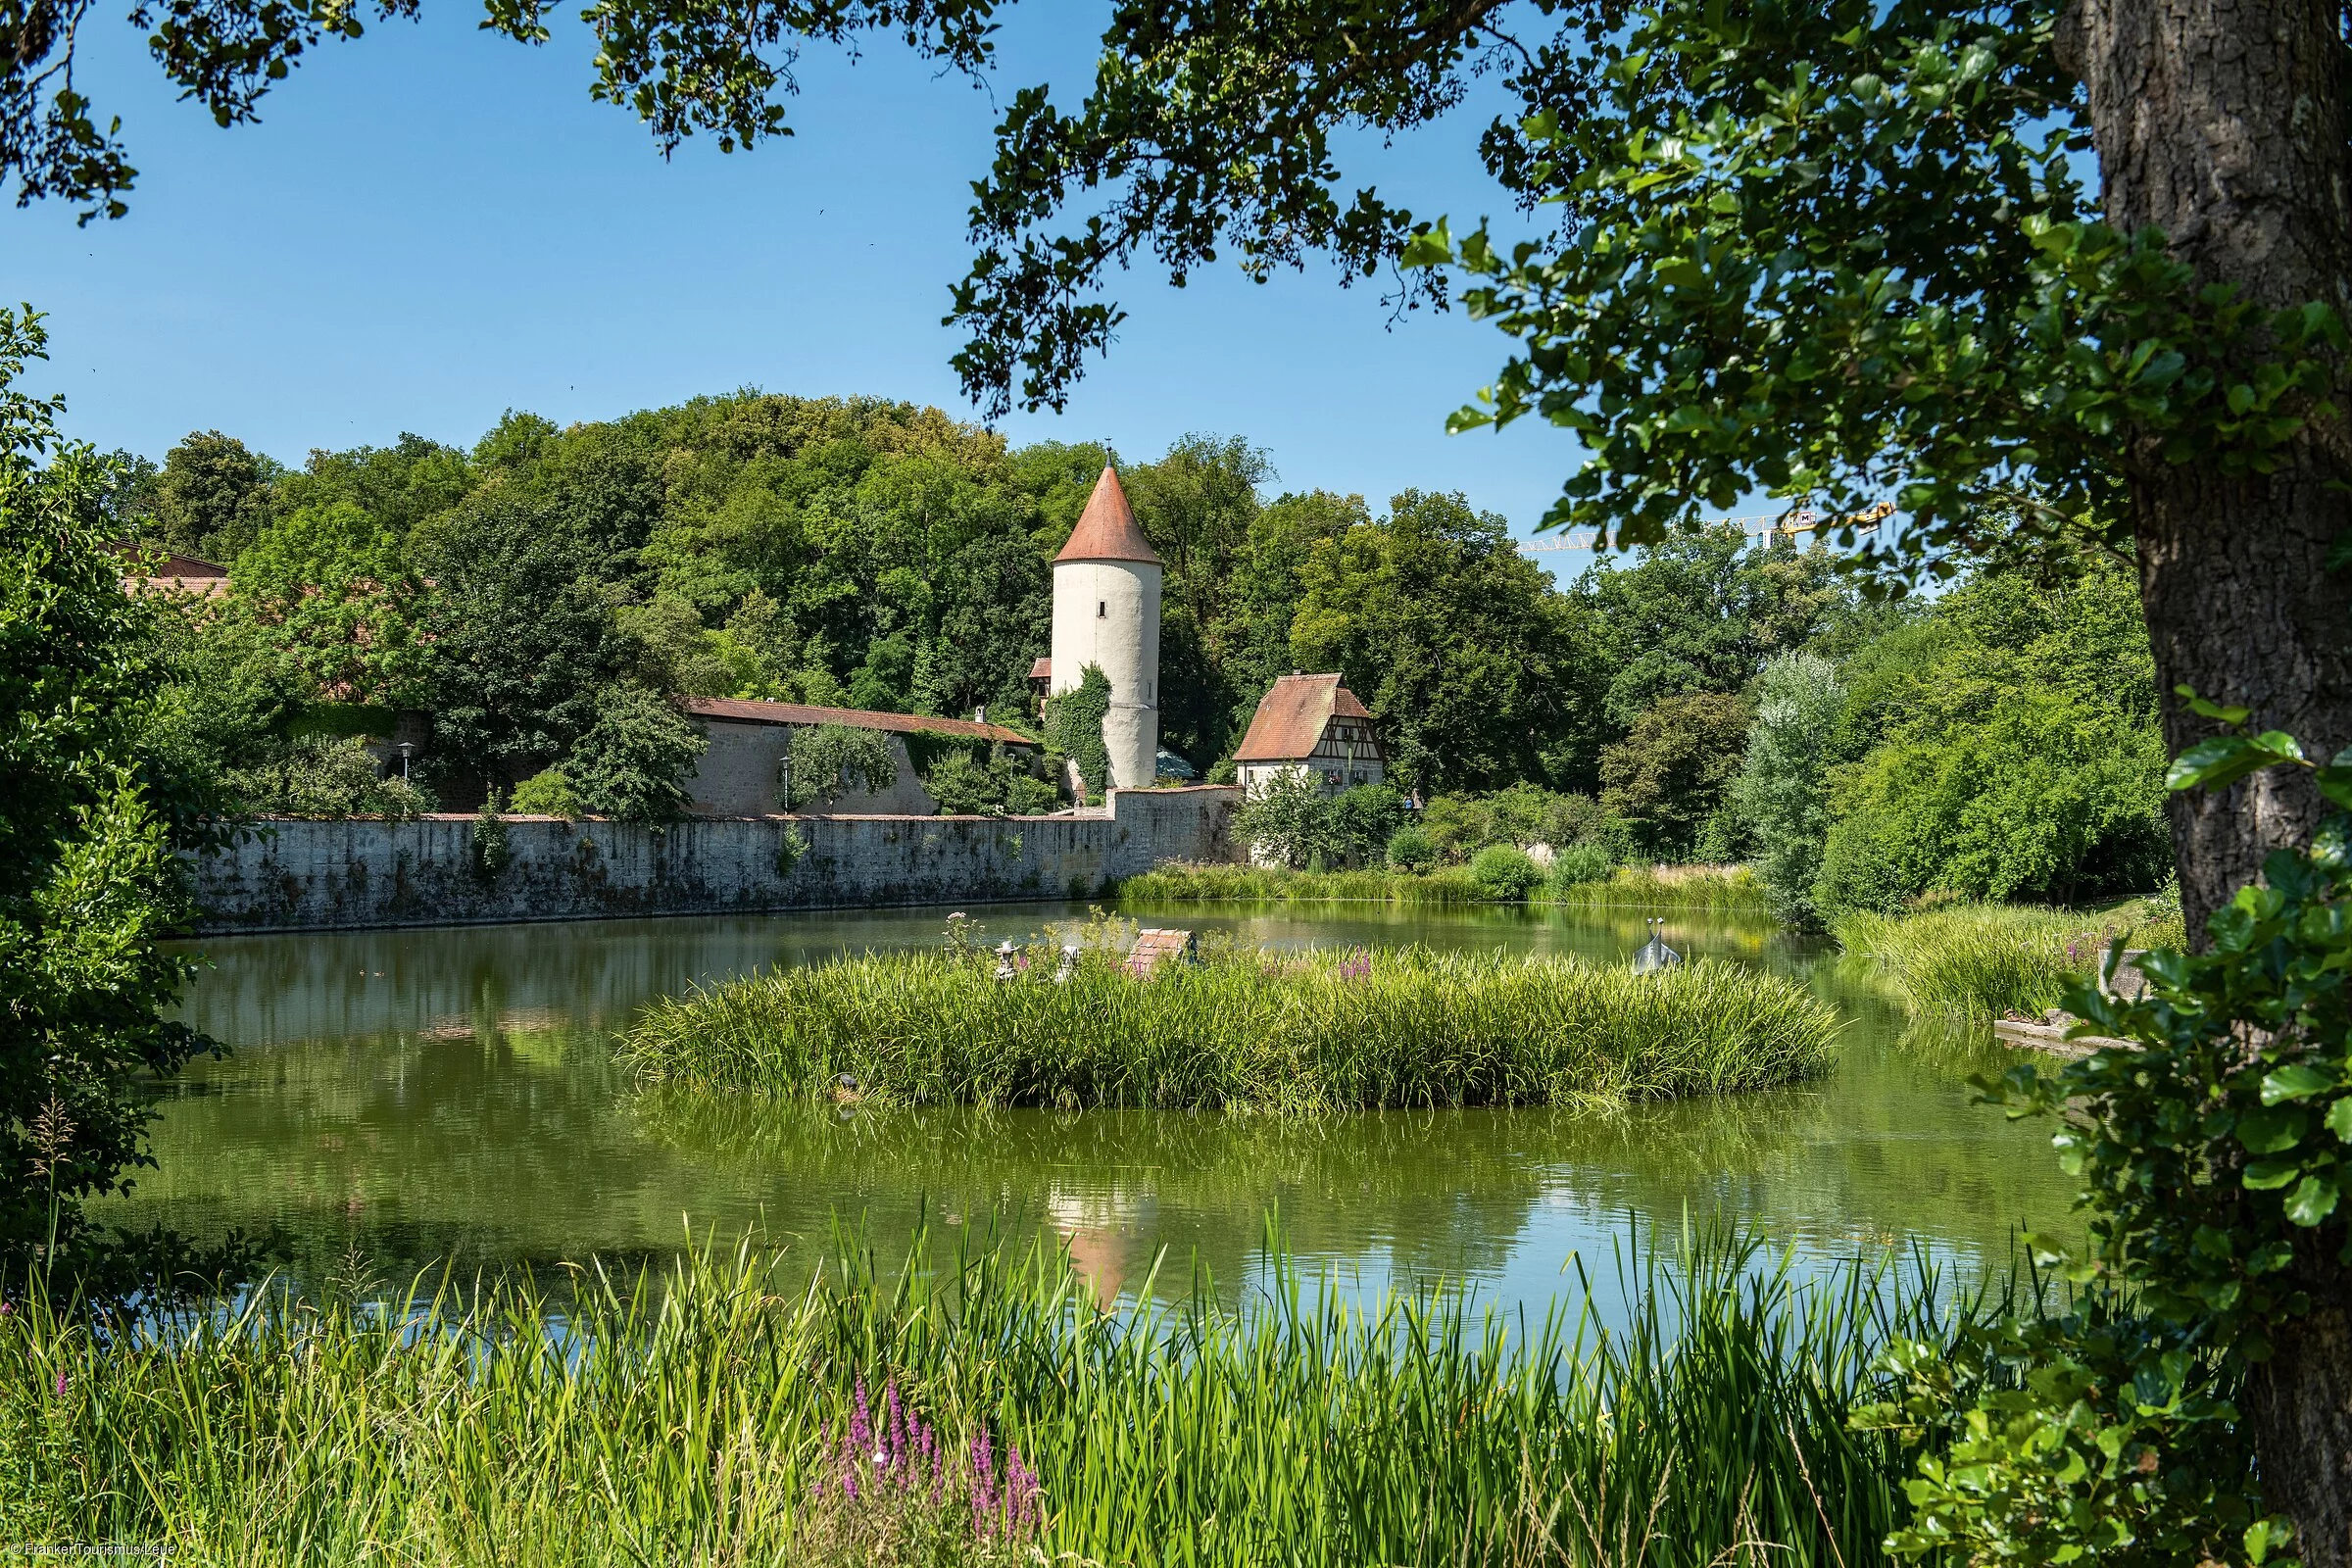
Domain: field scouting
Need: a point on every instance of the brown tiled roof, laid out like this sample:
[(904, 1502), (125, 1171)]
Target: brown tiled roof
[(1107, 529), (748, 711), (162, 563), (1043, 669), (1290, 717), (170, 571)]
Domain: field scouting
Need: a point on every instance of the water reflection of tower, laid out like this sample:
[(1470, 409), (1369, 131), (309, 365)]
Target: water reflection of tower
[(1103, 1233)]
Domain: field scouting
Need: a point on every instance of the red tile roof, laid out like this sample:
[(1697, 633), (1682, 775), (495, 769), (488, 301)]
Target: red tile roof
[(1043, 669), (748, 711), (1107, 529), (1290, 717)]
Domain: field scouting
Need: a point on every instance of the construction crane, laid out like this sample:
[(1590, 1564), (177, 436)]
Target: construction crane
[(1787, 524)]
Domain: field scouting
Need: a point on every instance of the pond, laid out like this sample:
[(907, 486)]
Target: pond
[(398, 1097)]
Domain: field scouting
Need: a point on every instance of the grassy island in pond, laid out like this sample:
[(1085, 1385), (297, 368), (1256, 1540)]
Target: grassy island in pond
[(1241, 1030)]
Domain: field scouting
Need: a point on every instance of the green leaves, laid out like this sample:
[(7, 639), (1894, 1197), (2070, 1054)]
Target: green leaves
[(2296, 1082), (89, 887), (2224, 759), (2266, 1132), (2313, 1200), (2213, 1163), (1431, 246)]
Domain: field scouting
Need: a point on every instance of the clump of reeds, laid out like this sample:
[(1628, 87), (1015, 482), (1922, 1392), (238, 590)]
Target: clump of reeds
[(1180, 883), (1728, 888), (1298, 1032), (1668, 887), (1972, 961), (713, 1414)]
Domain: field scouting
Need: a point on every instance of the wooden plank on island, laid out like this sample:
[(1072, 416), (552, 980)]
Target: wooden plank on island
[(2018, 1034)]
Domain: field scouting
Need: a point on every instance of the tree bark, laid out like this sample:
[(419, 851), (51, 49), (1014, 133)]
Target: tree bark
[(2223, 123)]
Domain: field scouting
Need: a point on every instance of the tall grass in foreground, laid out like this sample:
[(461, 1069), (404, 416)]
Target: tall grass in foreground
[(723, 1412), (1655, 886), (1316, 1031), (1976, 960)]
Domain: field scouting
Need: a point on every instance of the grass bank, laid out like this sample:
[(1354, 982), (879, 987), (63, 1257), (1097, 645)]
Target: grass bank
[(1661, 887), (978, 1409), (1301, 1032), (1973, 960)]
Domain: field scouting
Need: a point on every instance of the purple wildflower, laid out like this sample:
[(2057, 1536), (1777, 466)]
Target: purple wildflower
[(893, 1425), (61, 1382), (1021, 1489), (862, 1424), (984, 1483)]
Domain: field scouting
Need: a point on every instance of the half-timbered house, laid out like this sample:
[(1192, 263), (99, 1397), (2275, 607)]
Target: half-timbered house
[(1311, 724)]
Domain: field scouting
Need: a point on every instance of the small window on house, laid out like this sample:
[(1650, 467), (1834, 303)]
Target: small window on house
[(1101, 609)]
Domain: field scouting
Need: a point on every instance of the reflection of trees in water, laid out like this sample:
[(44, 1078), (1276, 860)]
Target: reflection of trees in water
[(276, 990), (514, 1145), (420, 1094), (1429, 1193)]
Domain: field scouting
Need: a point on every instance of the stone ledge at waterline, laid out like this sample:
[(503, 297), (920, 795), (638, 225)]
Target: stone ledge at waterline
[(300, 875)]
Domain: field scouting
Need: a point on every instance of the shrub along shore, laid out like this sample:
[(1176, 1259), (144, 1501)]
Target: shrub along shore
[(981, 1409), (1726, 887), (1242, 1030)]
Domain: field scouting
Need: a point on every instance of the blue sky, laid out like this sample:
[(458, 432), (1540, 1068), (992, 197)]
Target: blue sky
[(432, 225)]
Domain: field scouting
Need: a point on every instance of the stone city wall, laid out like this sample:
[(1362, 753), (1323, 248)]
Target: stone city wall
[(316, 876)]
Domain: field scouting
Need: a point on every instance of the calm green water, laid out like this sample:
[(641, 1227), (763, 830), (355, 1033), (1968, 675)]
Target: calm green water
[(405, 1097)]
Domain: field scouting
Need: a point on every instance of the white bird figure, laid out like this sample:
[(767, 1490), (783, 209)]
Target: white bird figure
[(1655, 954)]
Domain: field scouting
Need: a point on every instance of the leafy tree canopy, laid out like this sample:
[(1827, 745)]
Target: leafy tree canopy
[(1448, 633), (632, 761), (2012, 751), (88, 883)]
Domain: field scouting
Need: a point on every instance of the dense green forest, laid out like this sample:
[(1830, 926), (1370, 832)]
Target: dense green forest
[(1707, 699)]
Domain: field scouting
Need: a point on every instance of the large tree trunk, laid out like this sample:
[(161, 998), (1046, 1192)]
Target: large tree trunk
[(2223, 123)]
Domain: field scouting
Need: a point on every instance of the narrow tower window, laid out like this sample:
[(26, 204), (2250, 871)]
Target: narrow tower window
[(1101, 609)]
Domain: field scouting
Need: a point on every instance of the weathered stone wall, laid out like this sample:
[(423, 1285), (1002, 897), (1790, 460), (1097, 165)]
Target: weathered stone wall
[(330, 875), (736, 776)]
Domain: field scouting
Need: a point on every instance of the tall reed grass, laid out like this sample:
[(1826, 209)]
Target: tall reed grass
[(1316, 1031), (1178, 882), (722, 1414), (1688, 888), (1971, 961), (1651, 887)]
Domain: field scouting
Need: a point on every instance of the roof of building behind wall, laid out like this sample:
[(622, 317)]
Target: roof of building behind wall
[(1290, 717), (746, 710), (1107, 530)]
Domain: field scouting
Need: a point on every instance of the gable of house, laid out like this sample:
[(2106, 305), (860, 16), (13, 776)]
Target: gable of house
[(1313, 723)]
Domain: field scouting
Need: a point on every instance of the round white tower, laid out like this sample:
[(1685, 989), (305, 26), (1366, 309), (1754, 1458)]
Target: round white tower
[(1107, 613)]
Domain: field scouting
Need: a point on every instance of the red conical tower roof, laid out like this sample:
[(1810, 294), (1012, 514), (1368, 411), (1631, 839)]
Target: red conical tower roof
[(1107, 529)]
